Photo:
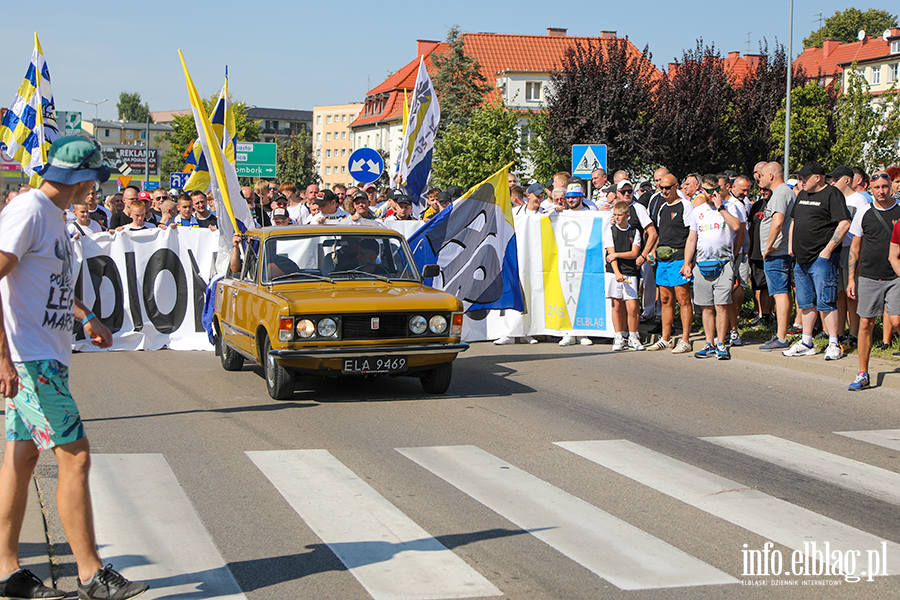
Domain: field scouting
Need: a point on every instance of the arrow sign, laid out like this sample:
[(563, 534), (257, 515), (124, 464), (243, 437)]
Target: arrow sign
[(365, 165)]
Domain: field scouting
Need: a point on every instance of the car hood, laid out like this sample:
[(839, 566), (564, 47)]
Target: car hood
[(365, 297)]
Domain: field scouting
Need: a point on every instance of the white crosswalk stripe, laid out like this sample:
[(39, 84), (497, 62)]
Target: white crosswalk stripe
[(390, 555), (838, 470), (887, 438), (769, 517), (625, 556), (148, 529)]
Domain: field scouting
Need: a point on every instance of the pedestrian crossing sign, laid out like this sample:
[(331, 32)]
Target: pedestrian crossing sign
[(586, 158)]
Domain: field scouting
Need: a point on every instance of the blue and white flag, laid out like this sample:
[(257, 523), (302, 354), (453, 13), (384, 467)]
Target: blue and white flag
[(223, 123), (29, 127), (473, 241), (417, 147)]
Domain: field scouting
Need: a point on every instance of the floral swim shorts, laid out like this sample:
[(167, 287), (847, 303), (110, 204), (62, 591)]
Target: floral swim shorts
[(43, 410)]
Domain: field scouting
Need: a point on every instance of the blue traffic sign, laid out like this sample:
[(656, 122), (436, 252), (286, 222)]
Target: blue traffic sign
[(178, 180), (586, 158), (365, 165)]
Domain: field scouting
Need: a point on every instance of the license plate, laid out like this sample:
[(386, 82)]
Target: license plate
[(375, 364)]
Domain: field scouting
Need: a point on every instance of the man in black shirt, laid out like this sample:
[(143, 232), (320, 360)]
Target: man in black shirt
[(878, 286), (820, 221), (673, 224), (757, 263)]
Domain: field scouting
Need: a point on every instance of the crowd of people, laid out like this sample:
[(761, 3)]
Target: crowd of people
[(824, 245), (816, 258)]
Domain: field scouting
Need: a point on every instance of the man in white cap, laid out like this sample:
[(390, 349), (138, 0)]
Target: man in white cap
[(37, 312)]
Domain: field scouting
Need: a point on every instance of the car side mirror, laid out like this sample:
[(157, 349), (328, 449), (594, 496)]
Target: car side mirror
[(430, 271)]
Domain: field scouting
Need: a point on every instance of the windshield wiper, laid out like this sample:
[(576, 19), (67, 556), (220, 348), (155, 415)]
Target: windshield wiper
[(358, 272), (301, 274)]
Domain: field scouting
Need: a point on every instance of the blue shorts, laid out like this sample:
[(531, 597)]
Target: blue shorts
[(43, 411), (778, 274), (668, 273), (817, 283)]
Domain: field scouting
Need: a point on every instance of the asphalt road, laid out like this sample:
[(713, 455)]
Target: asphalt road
[(544, 472)]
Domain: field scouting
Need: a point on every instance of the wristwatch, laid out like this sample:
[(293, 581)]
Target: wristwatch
[(720, 208)]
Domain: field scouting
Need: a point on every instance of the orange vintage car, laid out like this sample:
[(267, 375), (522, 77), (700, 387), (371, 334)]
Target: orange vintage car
[(335, 300)]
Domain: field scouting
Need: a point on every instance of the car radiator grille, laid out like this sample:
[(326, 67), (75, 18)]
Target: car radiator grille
[(359, 327)]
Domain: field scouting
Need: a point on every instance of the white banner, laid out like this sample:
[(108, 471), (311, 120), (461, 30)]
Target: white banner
[(147, 287)]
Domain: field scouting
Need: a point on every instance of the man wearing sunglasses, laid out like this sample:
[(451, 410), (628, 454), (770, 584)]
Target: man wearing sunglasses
[(37, 312), (820, 221), (877, 287)]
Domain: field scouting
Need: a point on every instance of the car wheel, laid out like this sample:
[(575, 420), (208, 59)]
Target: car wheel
[(231, 360), (437, 380), (279, 380)]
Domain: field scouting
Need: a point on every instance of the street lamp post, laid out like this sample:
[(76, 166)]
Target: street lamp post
[(96, 106), (787, 102)]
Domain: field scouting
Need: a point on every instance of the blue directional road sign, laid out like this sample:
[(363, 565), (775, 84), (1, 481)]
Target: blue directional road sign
[(586, 158), (178, 180), (365, 165)]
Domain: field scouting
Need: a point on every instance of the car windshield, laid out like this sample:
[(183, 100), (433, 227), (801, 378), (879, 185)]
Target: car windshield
[(337, 258)]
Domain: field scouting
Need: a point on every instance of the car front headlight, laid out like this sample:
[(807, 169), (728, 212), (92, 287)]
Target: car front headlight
[(327, 327), (418, 324), (306, 328), (437, 324)]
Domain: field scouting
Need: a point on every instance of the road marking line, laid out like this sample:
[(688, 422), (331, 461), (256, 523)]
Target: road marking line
[(888, 438), (841, 471), (148, 529), (769, 517), (622, 554), (390, 555)]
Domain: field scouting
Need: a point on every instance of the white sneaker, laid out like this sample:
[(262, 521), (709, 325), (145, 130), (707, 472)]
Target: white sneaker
[(833, 352), (529, 340), (505, 340), (586, 341), (682, 347), (567, 340), (661, 344), (799, 349), (618, 343), (634, 342)]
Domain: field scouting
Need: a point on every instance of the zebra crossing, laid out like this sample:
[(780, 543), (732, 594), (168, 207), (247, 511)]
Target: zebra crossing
[(147, 526)]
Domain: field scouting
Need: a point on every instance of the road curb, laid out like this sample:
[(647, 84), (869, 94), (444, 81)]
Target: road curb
[(34, 552)]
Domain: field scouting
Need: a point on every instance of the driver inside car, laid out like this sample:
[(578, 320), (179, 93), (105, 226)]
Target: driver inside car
[(367, 257)]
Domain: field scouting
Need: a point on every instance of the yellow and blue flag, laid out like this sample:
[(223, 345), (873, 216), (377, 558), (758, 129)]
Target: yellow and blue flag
[(222, 119), (473, 241), (231, 208), (29, 127)]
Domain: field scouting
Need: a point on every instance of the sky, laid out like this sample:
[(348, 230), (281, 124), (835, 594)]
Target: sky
[(289, 54)]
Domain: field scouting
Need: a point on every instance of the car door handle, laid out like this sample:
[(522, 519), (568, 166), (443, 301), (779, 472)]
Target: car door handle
[(234, 293)]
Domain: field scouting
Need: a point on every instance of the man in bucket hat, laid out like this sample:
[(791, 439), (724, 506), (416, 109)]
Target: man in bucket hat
[(38, 310)]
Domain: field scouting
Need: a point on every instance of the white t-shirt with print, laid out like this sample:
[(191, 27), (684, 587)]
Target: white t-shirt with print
[(37, 295), (714, 236), (339, 214), (92, 227)]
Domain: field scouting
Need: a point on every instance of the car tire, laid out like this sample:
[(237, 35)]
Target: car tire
[(231, 360), (437, 380), (279, 380)]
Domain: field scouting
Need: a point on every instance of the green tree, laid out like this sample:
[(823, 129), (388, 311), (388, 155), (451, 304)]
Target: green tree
[(546, 161), (184, 133), (296, 161), (845, 26), (603, 93), (131, 109), (458, 81), (755, 105), (812, 126), (690, 127), (868, 127), (466, 155)]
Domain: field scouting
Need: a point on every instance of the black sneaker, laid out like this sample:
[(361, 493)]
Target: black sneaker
[(25, 585), (107, 584)]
